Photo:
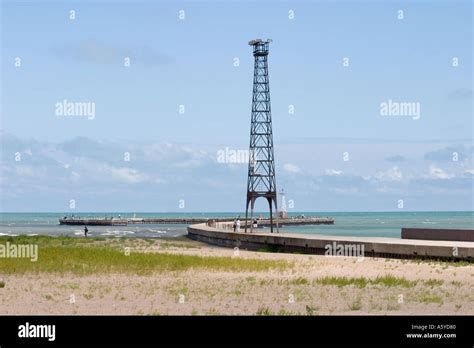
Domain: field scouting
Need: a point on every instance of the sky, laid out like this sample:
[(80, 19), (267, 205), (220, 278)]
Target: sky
[(159, 124)]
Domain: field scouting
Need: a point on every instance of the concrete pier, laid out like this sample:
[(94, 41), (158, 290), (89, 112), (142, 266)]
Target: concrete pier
[(93, 221), (221, 234), (137, 221), (438, 234)]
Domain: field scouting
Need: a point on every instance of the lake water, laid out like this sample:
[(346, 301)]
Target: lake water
[(375, 224)]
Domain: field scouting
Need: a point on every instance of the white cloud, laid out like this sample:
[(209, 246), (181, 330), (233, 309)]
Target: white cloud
[(438, 173), (123, 174), (291, 168), (392, 174), (86, 165), (333, 172)]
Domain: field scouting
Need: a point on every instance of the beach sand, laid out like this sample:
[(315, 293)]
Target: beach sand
[(309, 286)]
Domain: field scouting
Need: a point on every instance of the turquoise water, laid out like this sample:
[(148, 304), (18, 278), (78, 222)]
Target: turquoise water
[(386, 224), (379, 224)]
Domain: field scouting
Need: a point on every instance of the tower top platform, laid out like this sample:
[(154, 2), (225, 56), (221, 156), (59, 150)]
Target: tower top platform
[(260, 47)]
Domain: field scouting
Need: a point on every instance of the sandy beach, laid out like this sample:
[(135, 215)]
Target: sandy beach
[(306, 285)]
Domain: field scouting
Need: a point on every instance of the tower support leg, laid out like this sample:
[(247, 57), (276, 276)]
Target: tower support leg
[(246, 214), (252, 203), (271, 215), (276, 216)]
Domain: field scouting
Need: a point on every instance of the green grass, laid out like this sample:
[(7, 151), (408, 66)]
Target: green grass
[(310, 310), (343, 281), (263, 310), (299, 281), (212, 311), (266, 281), (390, 281), (167, 245), (455, 262), (284, 312), (428, 298), (251, 280), (86, 256), (361, 282), (355, 305), (433, 282)]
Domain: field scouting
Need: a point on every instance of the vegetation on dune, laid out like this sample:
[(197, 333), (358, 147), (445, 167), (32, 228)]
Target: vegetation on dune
[(386, 280), (87, 256), (264, 310), (455, 262), (429, 298), (342, 281), (356, 305), (362, 282)]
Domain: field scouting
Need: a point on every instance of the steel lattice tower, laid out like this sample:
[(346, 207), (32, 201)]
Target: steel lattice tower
[(261, 175)]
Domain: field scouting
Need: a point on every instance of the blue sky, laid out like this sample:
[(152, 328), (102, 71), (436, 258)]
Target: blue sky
[(190, 62)]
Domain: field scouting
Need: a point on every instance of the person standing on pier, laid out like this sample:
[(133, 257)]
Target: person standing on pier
[(255, 223), (85, 231), (237, 225)]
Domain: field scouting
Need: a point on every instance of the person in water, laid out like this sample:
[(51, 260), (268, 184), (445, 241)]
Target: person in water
[(85, 231)]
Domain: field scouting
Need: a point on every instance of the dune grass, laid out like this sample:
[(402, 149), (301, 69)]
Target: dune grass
[(342, 281), (88, 256), (433, 282), (390, 280), (264, 311), (356, 305), (429, 298), (167, 245), (362, 282), (300, 281)]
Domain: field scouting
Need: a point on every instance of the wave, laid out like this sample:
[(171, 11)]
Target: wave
[(155, 231), (116, 233)]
